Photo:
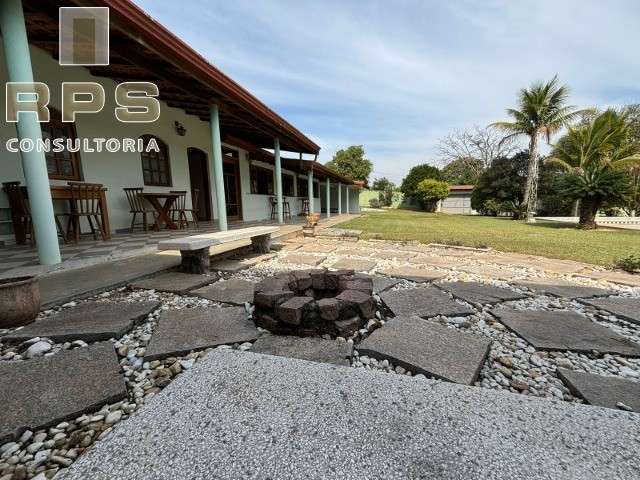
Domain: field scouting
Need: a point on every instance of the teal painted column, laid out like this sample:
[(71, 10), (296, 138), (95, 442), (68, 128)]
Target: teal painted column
[(339, 198), (276, 154), (328, 197), (218, 173), (34, 164), (310, 189), (346, 191)]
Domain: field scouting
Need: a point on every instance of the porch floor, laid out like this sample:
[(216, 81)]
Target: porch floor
[(20, 260)]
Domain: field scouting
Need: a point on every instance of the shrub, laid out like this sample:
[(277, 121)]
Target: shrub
[(629, 264), (374, 203), (430, 191), (415, 176)]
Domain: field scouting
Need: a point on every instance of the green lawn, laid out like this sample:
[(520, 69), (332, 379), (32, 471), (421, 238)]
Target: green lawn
[(548, 239)]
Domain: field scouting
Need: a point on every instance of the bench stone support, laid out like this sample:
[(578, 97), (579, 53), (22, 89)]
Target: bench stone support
[(261, 243), (195, 261)]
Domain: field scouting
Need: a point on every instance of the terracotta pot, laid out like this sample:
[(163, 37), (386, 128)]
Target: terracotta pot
[(19, 301)]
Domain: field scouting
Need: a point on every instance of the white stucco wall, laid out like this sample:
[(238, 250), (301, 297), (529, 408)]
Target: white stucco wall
[(119, 170)]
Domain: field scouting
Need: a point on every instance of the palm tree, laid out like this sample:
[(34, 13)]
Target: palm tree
[(542, 111), (597, 157)]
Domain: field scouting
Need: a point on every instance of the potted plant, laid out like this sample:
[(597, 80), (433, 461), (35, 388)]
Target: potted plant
[(19, 301)]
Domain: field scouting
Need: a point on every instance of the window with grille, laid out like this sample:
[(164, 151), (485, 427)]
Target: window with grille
[(63, 165), (156, 169)]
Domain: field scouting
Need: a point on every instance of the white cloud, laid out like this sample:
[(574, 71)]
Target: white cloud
[(395, 76)]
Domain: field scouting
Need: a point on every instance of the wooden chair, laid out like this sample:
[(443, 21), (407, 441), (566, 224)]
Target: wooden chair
[(138, 206), (180, 208), (85, 202), (21, 211)]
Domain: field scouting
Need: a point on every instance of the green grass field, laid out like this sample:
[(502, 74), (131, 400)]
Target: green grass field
[(548, 239)]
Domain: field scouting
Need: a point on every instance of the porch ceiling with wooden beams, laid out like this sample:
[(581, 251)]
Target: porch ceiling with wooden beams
[(143, 50)]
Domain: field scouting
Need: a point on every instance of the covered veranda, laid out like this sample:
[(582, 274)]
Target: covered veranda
[(143, 50)]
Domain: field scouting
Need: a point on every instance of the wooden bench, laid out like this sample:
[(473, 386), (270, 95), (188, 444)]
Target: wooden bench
[(194, 249)]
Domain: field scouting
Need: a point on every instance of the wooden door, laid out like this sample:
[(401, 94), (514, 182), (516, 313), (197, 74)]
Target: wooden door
[(199, 179), (233, 198)]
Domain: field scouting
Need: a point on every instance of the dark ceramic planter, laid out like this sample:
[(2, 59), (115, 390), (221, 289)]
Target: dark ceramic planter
[(19, 301)]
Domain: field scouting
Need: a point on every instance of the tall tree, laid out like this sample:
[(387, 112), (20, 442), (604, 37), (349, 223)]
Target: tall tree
[(475, 148), (597, 158), (463, 171), (415, 176), (351, 163), (386, 189), (542, 111)]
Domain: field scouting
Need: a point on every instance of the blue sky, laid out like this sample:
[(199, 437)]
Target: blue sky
[(397, 75)]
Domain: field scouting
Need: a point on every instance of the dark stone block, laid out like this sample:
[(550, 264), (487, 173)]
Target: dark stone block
[(272, 299), (347, 328), (357, 283), (292, 310), (303, 279), (318, 280), (261, 243), (90, 321), (329, 309), (428, 348), (45, 391), (182, 331), (600, 390), (564, 330), (311, 348), (333, 278), (272, 284), (195, 261), (355, 302), (424, 302)]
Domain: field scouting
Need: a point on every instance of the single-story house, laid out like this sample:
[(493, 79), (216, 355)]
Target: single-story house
[(458, 201), (213, 135)]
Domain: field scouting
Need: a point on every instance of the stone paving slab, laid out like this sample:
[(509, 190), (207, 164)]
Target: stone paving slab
[(480, 293), (173, 282), (627, 308), (414, 274), (181, 331), (424, 302), (308, 348), (564, 289), (48, 390), (318, 248), (428, 348), (621, 278), (489, 271), (600, 390), (235, 291), (62, 287), (564, 330), (90, 322), (380, 284), (233, 265), (437, 261), (301, 259), (354, 252), (274, 419), (354, 264), (392, 255)]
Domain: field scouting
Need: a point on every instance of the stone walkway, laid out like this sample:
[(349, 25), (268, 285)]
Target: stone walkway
[(440, 313), (285, 418)]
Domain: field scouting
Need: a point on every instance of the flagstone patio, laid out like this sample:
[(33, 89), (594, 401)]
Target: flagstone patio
[(540, 334)]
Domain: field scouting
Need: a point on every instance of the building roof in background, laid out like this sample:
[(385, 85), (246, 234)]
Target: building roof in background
[(461, 188), (141, 49)]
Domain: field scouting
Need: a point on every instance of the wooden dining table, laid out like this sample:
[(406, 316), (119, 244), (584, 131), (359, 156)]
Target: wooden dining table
[(162, 203), (62, 192)]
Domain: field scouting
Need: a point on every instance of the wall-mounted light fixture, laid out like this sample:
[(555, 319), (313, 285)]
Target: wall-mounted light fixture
[(180, 130)]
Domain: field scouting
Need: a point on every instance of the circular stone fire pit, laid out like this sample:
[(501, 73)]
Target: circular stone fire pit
[(314, 302)]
